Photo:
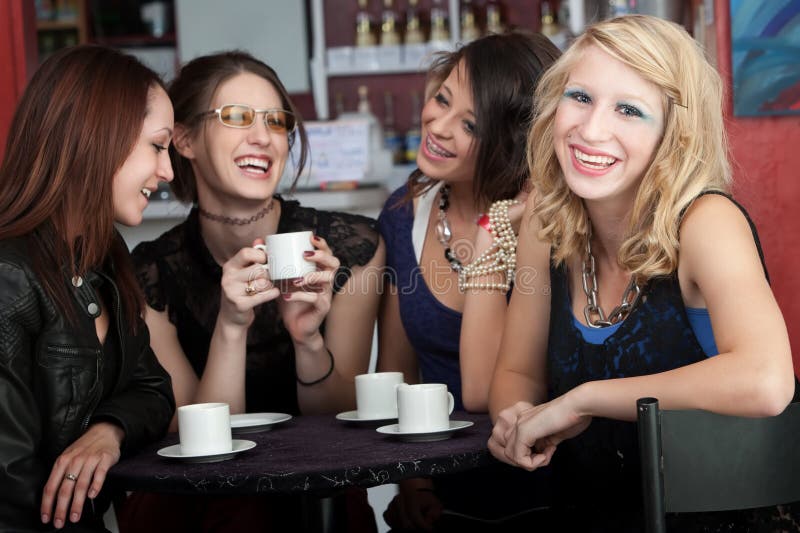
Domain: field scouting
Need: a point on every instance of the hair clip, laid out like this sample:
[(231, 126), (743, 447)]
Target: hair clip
[(678, 103)]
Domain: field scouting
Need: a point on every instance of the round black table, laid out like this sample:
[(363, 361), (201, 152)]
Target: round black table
[(313, 454)]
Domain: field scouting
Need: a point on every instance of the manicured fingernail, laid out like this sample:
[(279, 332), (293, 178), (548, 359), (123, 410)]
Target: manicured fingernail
[(308, 253), (286, 296), (45, 518), (314, 237), (74, 517), (92, 494), (58, 523)]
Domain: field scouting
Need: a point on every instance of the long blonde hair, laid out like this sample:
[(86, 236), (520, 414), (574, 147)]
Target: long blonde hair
[(690, 158)]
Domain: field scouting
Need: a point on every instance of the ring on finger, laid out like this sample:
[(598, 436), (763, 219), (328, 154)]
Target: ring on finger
[(250, 289), (70, 477)]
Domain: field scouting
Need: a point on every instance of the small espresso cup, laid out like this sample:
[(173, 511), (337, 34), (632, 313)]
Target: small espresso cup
[(285, 258), (204, 429), (424, 407), (376, 395)]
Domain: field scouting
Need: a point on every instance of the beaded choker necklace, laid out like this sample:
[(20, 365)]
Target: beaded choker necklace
[(443, 231), (233, 221)]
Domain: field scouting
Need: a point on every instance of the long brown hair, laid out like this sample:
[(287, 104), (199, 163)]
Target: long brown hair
[(73, 129), (503, 70), (191, 93)]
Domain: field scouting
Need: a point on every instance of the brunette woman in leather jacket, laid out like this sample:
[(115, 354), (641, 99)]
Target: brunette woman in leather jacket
[(79, 384)]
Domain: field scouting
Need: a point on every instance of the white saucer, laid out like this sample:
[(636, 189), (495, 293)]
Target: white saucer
[(256, 422), (424, 436), (174, 452), (352, 417)]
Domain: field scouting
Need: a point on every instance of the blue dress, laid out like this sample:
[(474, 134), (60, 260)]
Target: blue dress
[(432, 328), (492, 493)]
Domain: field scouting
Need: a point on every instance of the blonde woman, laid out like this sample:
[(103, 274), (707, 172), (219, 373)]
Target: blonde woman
[(641, 261)]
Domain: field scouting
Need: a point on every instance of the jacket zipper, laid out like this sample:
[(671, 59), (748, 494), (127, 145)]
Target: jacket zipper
[(68, 351), (120, 340)]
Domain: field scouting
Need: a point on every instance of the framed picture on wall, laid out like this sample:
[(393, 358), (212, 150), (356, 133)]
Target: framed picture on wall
[(765, 53)]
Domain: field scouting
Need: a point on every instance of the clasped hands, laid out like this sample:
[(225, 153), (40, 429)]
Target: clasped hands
[(527, 435)]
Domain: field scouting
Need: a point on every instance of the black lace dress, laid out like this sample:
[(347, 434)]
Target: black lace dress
[(179, 274)]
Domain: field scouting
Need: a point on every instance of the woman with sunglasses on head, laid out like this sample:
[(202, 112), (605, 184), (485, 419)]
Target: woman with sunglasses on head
[(642, 260), (220, 327), (449, 237), (79, 384)]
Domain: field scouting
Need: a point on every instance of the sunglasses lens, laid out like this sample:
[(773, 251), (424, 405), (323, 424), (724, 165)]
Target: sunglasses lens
[(279, 121), (238, 116)]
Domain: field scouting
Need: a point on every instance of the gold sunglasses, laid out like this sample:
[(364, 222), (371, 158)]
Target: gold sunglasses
[(244, 116)]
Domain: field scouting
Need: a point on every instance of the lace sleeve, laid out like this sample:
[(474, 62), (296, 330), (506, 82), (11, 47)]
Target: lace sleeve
[(353, 240)]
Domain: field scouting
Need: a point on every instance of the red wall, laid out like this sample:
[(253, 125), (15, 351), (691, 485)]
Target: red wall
[(17, 57), (765, 155)]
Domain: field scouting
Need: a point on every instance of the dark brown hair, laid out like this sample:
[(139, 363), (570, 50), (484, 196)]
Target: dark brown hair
[(76, 124), (503, 70), (192, 92)]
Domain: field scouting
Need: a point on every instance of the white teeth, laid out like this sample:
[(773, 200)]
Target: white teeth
[(147, 193), (254, 162), (594, 160), (435, 149)]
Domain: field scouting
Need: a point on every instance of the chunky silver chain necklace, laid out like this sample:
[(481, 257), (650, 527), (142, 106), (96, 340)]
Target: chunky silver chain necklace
[(595, 317), (443, 231)]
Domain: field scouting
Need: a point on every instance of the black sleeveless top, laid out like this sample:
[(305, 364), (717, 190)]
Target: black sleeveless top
[(179, 274), (599, 468)]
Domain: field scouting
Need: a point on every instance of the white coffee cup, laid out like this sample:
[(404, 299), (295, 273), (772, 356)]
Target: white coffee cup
[(285, 259), (424, 407), (376, 395), (204, 429)]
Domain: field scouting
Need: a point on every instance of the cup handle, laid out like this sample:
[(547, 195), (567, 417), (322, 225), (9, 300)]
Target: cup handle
[(451, 402), (263, 248)]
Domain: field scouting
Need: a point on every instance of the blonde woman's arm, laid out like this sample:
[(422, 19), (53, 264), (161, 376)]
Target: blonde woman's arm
[(751, 376)]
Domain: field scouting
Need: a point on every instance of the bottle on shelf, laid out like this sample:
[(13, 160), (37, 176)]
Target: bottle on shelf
[(414, 133), (338, 104), (494, 17), (551, 29), (380, 160), (390, 33), (392, 140), (469, 25), (414, 32), (364, 107), (364, 26), (440, 30)]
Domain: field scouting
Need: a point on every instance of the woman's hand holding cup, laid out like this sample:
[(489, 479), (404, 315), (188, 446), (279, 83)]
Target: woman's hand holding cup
[(245, 284), (306, 304)]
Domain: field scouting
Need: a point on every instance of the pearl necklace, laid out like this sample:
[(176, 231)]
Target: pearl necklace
[(595, 318)]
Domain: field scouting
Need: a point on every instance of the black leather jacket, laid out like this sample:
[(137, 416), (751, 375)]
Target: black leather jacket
[(52, 384)]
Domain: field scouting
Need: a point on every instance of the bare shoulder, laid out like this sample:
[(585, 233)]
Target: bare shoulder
[(712, 220), (533, 253), (717, 245)]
